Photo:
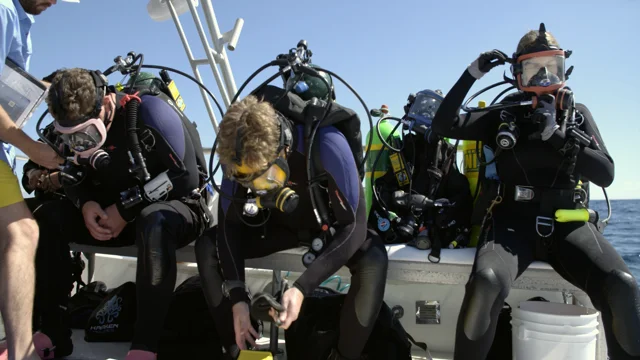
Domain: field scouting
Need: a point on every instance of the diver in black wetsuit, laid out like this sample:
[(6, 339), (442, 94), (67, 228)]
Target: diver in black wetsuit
[(537, 176), (110, 206), (262, 150)]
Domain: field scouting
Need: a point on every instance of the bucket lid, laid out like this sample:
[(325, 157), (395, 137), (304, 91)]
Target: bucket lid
[(551, 308)]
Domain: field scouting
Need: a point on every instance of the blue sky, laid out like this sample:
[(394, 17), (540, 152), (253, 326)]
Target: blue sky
[(384, 49)]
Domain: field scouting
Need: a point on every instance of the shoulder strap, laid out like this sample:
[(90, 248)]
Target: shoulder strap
[(287, 103), (344, 119), (192, 129)]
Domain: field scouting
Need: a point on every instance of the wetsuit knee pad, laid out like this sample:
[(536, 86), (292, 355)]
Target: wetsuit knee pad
[(623, 297), (485, 288), (155, 242)]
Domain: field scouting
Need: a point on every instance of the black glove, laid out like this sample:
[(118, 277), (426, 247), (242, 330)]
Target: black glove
[(545, 115), (487, 61)]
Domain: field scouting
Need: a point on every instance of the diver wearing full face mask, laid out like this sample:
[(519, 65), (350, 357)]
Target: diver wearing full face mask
[(262, 151), (540, 155)]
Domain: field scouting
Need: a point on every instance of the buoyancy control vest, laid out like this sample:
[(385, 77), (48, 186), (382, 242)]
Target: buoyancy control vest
[(295, 109), (424, 168)]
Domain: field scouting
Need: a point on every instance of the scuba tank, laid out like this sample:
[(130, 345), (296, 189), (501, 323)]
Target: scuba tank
[(382, 163), (472, 171)]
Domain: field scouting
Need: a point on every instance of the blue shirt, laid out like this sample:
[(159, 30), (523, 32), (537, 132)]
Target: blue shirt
[(15, 44)]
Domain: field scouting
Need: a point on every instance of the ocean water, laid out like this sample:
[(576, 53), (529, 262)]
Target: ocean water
[(623, 231)]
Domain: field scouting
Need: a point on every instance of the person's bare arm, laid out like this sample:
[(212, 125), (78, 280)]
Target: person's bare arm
[(11, 134), (40, 153)]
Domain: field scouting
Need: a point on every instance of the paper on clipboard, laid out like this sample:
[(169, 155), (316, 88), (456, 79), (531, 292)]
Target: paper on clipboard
[(20, 93)]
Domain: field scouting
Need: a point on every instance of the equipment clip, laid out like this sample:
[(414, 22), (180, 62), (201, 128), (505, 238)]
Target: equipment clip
[(544, 221)]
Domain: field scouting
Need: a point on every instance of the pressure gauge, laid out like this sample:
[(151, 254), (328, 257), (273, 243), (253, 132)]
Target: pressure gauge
[(308, 258), (317, 244)]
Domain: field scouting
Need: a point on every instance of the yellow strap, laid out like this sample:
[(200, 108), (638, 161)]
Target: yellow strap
[(375, 147)]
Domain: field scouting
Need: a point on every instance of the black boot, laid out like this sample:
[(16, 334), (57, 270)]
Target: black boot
[(56, 327)]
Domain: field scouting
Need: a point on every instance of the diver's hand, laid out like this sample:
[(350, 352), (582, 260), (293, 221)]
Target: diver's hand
[(49, 182), (291, 301), (34, 176), (52, 181), (42, 154), (91, 211), (114, 221), (545, 115), (242, 326), (485, 62)]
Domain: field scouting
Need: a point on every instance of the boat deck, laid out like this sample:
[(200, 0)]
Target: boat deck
[(118, 350), (411, 279)]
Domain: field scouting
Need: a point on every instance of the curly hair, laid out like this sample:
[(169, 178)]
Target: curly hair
[(529, 40), (260, 134), (72, 95)]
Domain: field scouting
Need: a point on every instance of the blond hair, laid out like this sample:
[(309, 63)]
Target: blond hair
[(260, 134), (529, 40), (74, 92)]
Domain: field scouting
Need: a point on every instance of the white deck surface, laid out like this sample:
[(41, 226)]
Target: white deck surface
[(118, 351)]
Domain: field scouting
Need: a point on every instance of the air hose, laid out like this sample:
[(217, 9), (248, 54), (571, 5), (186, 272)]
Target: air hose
[(131, 109)]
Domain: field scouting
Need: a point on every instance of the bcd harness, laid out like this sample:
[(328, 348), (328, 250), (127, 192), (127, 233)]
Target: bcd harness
[(142, 141), (308, 114), (556, 205), (429, 170), (201, 195)]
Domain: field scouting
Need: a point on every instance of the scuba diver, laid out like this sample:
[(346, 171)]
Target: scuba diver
[(139, 174), (543, 144), (262, 149), (419, 195)]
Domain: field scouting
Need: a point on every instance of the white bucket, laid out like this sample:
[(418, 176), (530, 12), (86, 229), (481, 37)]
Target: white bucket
[(552, 331)]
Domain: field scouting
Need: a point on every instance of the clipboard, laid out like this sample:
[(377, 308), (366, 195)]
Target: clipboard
[(20, 93)]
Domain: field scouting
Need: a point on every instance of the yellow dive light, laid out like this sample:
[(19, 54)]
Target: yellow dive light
[(569, 215), (585, 215), (255, 355)]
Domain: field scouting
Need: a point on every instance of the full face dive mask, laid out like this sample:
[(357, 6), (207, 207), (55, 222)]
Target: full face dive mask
[(540, 69), (423, 109)]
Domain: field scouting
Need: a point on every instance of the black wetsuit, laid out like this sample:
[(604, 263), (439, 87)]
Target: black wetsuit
[(158, 229), (509, 243), (222, 250)]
